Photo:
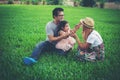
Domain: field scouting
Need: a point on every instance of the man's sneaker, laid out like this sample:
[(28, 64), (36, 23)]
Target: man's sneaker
[(29, 61)]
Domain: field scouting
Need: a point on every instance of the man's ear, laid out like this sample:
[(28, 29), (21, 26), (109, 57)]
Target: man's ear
[(54, 16)]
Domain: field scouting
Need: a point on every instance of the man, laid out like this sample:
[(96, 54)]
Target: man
[(49, 44)]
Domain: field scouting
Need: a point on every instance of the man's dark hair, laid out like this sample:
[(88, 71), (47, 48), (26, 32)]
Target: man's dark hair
[(56, 11)]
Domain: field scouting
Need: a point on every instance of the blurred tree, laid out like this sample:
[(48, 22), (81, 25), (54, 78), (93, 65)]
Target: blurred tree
[(113, 0), (56, 2), (76, 2), (28, 1), (102, 2), (10, 2), (35, 2), (88, 3), (60, 2), (108, 0), (53, 2)]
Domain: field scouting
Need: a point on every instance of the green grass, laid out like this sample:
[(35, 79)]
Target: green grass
[(22, 27)]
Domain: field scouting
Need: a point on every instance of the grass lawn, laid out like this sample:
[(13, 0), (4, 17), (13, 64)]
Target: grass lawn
[(23, 26)]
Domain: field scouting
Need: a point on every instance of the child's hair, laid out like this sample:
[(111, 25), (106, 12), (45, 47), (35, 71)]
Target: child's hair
[(61, 26)]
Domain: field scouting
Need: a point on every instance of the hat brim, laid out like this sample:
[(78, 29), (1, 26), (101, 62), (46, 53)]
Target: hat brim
[(83, 23)]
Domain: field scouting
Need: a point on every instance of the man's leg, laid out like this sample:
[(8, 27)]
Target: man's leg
[(39, 49)]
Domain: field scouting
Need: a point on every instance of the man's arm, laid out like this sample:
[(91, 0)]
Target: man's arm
[(52, 38)]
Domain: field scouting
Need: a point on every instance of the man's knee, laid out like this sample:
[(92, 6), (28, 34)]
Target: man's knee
[(41, 44)]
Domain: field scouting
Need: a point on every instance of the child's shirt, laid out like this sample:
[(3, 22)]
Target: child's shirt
[(66, 44)]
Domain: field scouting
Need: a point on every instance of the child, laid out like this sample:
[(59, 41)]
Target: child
[(67, 43)]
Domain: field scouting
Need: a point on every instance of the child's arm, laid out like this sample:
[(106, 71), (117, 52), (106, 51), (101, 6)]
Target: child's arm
[(61, 32), (76, 27)]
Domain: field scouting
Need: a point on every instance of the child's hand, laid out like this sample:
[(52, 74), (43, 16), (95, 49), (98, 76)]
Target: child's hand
[(74, 35)]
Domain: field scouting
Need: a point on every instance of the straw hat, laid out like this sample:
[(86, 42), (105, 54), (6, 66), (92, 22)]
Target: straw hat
[(88, 22)]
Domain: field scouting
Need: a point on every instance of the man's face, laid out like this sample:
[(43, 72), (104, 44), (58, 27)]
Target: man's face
[(60, 16)]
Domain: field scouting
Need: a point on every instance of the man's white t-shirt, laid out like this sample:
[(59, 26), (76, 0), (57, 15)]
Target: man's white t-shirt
[(94, 39)]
